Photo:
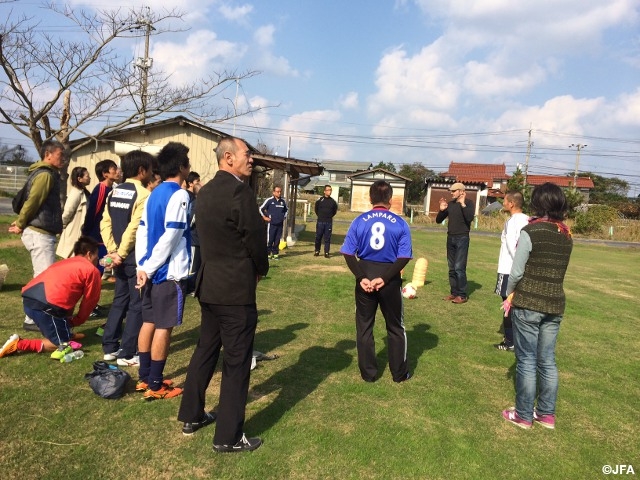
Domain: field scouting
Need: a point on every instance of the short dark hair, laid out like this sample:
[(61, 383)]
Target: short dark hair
[(132, 162), (328, 186), (227, 144), (172, 156), (85, 245), (76, 173), (50, 146), (516, 197), (103, 167), (192, 177), (549, 200), (380, 192)]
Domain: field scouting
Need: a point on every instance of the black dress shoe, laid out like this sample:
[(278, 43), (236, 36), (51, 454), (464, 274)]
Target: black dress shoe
[(244, 445), (326, 255), (405, 378), (189, 428), (316, 254)]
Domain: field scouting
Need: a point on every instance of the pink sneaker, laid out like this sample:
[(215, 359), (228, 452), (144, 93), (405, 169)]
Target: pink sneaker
[(546, 421), (510, 415)]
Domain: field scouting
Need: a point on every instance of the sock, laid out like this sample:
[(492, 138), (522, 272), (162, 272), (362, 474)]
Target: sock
[(155, 374), (145, 365), (30, 345)]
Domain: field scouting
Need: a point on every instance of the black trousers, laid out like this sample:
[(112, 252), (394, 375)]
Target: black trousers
[(127, 302), (323, 230), (389, 298), (232, 327)]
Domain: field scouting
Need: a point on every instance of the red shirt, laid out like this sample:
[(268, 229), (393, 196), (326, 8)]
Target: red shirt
[(64, 283)]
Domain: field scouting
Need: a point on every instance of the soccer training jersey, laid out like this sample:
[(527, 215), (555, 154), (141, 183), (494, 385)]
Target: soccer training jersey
[(378, 236)]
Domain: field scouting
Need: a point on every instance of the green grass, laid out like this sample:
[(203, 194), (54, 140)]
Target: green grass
[(317, 418)]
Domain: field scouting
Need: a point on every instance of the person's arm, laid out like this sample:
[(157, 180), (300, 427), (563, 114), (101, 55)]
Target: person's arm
[(40, 187), (106, 229), (512, 233), (174, 230), (468, 211), (71, 206), (315, 207), (128, 242), (354, 265), (519, 261), (334, 208), (251, 228), (394, 269), (90, 297), (263, 210)]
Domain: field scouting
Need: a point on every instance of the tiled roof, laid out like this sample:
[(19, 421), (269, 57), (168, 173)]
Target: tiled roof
[(582, 182), (476, 172)]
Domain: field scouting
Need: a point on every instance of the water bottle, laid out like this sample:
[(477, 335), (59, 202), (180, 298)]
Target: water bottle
[(70, 357), (105, 262)]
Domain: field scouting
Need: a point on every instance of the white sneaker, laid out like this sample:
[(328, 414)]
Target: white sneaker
[(129, 362), (111, 357)]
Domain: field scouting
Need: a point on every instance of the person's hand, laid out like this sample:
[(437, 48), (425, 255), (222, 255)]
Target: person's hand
[(266, 219), (116, 260), (443, 204), (365, 284), (506, 305), (13, 228), (377, 284), (461, 199), (141, 279)]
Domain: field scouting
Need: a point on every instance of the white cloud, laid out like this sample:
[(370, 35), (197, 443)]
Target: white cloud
[(236, 14), (264, 36), (349, 101), (201, 53)]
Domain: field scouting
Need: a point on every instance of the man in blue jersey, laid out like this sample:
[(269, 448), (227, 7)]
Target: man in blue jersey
[(377, 246), (274, 212), (163, 256)]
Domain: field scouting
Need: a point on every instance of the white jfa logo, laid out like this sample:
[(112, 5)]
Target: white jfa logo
[(618, 470), (377, 236)]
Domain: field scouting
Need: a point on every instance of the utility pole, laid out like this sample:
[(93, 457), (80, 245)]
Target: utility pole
[(526, 162), (144, 64), (578, 147)]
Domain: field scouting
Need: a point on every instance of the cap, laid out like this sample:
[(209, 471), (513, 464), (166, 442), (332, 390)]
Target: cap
[(456, 186)]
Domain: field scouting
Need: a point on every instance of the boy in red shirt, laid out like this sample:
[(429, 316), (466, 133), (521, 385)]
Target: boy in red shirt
[(51, 297)]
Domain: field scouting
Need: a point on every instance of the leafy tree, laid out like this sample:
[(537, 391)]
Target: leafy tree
[(416, 190), (607, 190), (389, 167), (52, 85), (517, 182)]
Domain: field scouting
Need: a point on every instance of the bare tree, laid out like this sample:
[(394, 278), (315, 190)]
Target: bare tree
[(54, 85)]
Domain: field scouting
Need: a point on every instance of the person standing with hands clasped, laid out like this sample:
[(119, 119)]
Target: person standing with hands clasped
[(274, 212), (460, 213), (234, 258), (377, 246), (325, 208), (537, 301)]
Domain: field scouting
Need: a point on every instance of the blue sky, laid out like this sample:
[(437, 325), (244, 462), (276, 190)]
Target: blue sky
[(429, 81)]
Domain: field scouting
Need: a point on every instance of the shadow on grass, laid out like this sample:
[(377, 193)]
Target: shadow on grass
[(419, 340), (296, 382)]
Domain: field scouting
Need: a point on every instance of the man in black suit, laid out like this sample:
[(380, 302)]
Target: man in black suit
[(234, 258)]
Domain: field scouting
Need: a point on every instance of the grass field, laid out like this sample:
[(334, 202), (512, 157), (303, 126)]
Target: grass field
[(317, 418)]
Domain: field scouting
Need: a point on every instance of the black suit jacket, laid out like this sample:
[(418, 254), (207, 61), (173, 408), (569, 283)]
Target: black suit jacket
[(232, 242)]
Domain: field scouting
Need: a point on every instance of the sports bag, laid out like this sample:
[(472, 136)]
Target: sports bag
[(108, 381), (23, 193)]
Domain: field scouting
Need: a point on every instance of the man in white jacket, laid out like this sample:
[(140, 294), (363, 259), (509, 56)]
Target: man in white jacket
[(513, 202)]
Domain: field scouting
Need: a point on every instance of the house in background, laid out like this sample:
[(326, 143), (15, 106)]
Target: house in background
[(583, 184), (202, 142), (438, 187), (361, 182), (486, 183)]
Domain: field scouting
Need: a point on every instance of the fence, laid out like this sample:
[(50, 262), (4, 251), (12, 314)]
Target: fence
[(12, 178)]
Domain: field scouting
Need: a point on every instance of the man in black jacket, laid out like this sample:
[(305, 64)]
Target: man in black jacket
[(234, 258), (325, 208), (460, 212)]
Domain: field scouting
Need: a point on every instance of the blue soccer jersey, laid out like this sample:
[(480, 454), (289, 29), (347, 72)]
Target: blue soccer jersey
[(378, 236)]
